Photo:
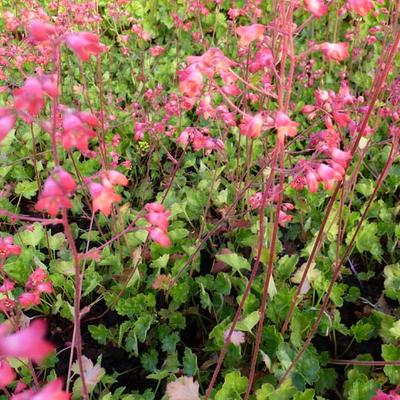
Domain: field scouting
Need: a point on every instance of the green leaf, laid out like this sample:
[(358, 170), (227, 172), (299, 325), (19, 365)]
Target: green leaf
[(233, 387), (235, 261), (284, 392), (392, 281), (359, 387), (32, 235), (190, 362), (99, 333), (391, 352), (26, 189), (248, 322), (150, 360), (169, 342)]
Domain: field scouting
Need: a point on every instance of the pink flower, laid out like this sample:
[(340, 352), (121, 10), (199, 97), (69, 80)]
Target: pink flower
[(84, 44), (340, 156), (40, 31), (103, 198), (155, 51), (26, 343), (75, 133), (7, 122), (255, 200), (28, 299), (111, 178), (285, 126), (335, 51), (184, 388), (159, 236), (52, 391), (316, 7), (8, 248), (159, 219), (29, 99), (7, 286), (7, 374), (248, 34), (283, 218), (361, 7), (263, 58), (251, 126), (140, 129), (57, 188), (6, 304), (237, 337), (190, 82), (312, 181)]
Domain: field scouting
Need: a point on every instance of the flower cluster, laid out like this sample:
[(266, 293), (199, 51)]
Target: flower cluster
[(103, 192), (57, 190), (158, 217)]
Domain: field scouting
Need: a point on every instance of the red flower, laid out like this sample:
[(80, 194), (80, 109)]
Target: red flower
[(7, 122), (250, 33), (316, 7), (28, 299), (335, 51), (84, 44), (56, 191), (52, 391), (285, 126), (29, 99), (26, 343), (8, 248), (190, 82), (75, 133), (40, 31), (251, 126), (7, 374), (361, 7), (103, 197), (160, 236)]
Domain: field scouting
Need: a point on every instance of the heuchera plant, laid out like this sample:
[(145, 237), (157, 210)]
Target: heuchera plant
[(195, 179)]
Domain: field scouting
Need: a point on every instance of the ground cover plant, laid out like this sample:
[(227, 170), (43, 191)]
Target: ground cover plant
[(199, 199)]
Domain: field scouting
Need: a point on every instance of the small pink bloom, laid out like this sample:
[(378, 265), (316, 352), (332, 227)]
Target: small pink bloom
[(335, 51), (283, 218), (285, 126), (154, 207), (28, 299), (140, 129), (251, 126), (6, 304), (103, 198), (255, 200), (56, 190), (7, 122), (52, 391), (7, 286), (185, 388), (8, 248), (156, 51), (160, 236), (26, 343), (325, 172), (237, 337), (84, 44), (29, 99), (75, 133), (7, 374), (340, 156), (316, 7), (361, 7), (298, 182), (312, 181), (248, 34), (112, 178), (190, 82), (40, 31)]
